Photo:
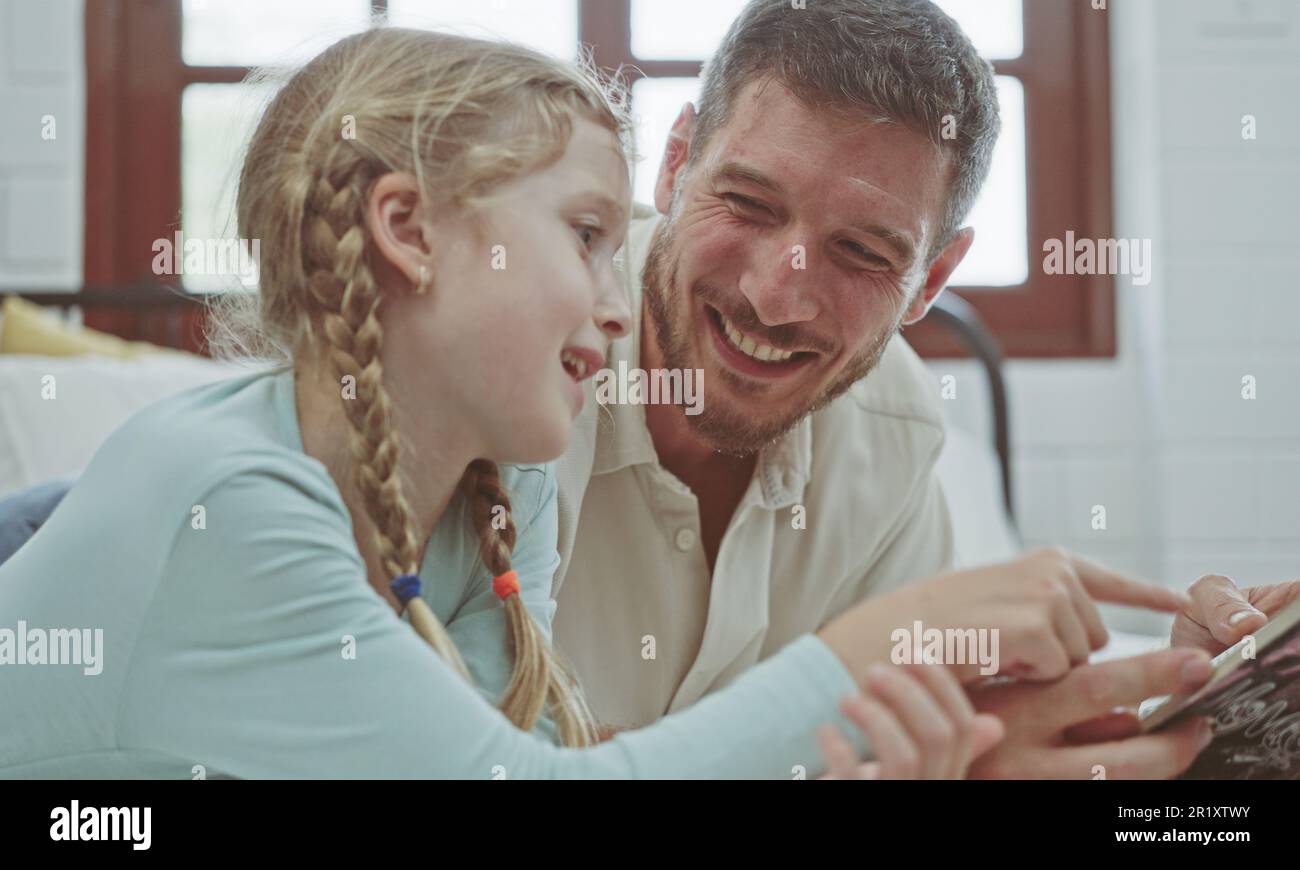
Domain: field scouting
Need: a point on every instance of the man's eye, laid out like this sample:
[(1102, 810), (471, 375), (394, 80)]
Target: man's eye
[(746, 203), (863, 254)]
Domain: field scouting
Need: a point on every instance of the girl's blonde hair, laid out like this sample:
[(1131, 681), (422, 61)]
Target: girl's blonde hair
[(462, 116)]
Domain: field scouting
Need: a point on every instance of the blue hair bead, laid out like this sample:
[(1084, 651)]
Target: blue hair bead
[(406, 587)]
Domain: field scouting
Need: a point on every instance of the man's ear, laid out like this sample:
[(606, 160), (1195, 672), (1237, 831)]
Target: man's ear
[(940, 271), (675, 154), (400, 226)]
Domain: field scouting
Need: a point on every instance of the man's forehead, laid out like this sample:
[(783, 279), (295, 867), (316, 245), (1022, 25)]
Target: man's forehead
[(893, 171)]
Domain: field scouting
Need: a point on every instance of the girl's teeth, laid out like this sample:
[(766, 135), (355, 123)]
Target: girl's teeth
[(577, 363), (749, 347)]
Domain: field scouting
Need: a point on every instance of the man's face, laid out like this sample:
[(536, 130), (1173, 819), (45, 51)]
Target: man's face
[(791, 252)]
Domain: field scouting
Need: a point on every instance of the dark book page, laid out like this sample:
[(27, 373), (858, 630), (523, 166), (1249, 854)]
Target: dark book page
[(1256, 715)]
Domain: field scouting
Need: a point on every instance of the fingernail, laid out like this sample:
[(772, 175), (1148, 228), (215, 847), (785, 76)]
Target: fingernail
[(1240, 615), (1196, 670), (1206, 734)]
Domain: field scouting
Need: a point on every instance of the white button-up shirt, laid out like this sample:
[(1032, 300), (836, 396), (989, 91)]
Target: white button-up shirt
[(844, 506)]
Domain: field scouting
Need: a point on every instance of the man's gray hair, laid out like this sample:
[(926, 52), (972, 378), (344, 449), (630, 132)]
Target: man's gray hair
[(901, 61)]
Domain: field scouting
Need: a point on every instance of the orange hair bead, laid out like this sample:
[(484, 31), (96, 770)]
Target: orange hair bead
[(505, 585)]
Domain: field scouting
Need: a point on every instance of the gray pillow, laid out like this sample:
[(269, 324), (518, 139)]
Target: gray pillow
[(25, 511)]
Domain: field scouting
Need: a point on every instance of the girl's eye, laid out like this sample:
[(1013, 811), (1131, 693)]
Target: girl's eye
[(588, 234)]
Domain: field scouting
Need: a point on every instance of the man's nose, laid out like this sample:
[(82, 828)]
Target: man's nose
[(780, 287)]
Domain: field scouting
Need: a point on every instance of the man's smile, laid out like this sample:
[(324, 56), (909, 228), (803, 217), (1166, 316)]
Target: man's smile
[(751, 357)]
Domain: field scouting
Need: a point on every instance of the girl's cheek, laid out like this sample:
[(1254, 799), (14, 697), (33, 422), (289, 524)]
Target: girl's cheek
[(574, 296)]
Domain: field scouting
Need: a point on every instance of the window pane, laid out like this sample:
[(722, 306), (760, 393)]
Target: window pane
[(1000, 255), (691, 29), (547, 25), (655, 104), (255, 32), (680, 29), (216, 124), (996, 27)]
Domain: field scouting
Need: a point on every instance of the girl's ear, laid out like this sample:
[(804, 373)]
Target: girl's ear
[(401, 227)]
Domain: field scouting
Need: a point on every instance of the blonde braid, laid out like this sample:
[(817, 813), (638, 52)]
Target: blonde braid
[(335, 233), (539, 679)]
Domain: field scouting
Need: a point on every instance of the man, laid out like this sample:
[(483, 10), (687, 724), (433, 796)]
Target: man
[(797, 237), (706, 542)]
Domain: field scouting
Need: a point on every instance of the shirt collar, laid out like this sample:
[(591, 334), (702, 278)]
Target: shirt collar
[(785, 465)]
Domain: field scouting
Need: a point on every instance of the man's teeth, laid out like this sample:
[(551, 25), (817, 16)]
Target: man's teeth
[(749, 347), (575, 362)]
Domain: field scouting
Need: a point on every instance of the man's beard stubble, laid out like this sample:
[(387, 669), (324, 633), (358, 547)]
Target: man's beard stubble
[(728, 430)]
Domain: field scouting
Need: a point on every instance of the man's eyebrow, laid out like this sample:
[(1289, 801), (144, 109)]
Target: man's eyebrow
[(900, 241), (733, 171)]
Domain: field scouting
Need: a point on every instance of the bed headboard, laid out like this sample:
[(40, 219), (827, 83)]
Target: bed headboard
[(148, 312), (173, 318)]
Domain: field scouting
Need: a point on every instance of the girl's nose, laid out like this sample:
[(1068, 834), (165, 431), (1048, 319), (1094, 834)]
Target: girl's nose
[(612, 315)]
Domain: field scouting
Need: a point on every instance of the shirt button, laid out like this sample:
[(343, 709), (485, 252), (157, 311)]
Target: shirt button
[(685, 539)]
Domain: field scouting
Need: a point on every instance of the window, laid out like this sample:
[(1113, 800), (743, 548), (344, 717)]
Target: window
[(168, 115)]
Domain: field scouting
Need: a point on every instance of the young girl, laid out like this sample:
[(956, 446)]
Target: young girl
[(438, 220)]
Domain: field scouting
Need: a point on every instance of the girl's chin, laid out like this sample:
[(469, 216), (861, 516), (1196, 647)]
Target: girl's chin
[(537, 440)]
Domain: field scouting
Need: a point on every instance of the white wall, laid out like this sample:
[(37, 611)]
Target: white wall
[(42, 72), (1195, 479)]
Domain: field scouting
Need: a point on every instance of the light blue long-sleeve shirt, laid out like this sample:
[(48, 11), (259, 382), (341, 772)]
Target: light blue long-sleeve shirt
[(241, 638)]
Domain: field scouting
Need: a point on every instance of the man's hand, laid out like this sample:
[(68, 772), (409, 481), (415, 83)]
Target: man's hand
[(1071, 728), (1221, 614)]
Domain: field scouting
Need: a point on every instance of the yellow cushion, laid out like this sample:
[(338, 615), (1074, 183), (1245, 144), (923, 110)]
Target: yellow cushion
[(25, 328)]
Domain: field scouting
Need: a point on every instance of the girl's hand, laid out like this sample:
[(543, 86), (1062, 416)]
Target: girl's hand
[(920, 723), (1041, 604)]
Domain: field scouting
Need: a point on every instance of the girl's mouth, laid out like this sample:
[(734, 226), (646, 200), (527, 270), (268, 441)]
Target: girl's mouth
[(580, 363)]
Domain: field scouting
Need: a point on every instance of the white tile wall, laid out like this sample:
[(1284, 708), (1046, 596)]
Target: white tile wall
[(1195, 478), (1225, 204), (42, 72)]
